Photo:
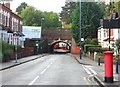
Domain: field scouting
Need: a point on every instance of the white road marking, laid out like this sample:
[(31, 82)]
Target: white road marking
[(48, 66), (88, 72), (86, 80), (88, 66), (51, 63), (43, 71), (92, 71), (33, 80)]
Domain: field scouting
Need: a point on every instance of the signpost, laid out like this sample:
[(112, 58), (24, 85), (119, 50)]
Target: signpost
[(110, 23), (15, 43)]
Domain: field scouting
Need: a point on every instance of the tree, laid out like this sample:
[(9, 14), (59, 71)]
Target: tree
[(66, 13), (117, 6), (32, 17), (51, 20), (118, 45), (21, 7), (29, 16), (91, 14)]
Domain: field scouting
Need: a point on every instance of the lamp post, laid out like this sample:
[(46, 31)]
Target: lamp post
[(41, 31), (42, 22), (80, 31), (15, 43)]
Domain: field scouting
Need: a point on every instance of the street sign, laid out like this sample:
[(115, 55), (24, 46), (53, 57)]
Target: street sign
[(113, 23), (15, 39)]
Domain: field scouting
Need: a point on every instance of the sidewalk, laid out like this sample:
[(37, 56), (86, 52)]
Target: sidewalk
[(98, 71), (13, 63)]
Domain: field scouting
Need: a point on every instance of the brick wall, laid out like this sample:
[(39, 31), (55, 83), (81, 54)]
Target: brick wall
[(75, 49)]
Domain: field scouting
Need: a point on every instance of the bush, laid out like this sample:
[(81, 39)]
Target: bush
[(100, 54), (107, 49), (6, 51), (89, 41), (95, 49), (94, 42), (117, 57), (89, 47), (117, 43)]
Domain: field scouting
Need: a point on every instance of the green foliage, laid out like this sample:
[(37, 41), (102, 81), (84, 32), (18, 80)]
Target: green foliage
[(117, 57), (107, 49), (117, 43), (117, 6), (21, 7), (100, 54), (90, 41), (91, 14), (67, 11), (95, 48), (51, 20), (90, 47), (94, 41), (28, 15), (32, 17), (6, 51)]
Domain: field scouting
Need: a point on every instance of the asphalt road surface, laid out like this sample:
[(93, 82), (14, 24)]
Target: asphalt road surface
[(57, 69)]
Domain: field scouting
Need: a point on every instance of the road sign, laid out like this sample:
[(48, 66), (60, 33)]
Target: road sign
[(15, 39), (113, 23)]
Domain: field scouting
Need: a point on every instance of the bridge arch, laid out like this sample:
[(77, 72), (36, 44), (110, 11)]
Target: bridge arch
[(58, 41)]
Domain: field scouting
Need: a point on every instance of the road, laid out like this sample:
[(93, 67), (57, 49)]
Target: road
[(57, 69)]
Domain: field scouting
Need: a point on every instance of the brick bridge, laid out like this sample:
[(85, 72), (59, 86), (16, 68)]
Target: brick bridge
[(50, 37), (54, 36)]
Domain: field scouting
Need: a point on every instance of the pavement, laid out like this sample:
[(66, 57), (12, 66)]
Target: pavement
[(20, 61), (98, 71)]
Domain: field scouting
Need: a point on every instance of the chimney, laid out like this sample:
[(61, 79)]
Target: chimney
[(7, 4)]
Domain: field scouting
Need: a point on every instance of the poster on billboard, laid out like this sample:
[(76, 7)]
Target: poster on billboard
[(31, 32)]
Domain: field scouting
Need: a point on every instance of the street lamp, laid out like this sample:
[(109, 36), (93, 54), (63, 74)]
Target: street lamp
[(15, 43), (42, 19), (80, 31)]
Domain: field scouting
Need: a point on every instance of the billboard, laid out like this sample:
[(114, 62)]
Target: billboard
[(31, 32)]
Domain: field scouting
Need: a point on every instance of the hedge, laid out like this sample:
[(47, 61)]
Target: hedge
[(88, 47), (6, 50)]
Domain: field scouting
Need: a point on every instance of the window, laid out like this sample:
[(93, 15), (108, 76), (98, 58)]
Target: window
[(17, 25), (1, 17), (8, 18), (12, 23), (5, 18)]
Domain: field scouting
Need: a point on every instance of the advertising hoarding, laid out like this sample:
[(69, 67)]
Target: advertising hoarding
[(32, 32)]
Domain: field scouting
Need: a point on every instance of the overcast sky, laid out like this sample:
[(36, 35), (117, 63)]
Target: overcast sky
[(44, 5)]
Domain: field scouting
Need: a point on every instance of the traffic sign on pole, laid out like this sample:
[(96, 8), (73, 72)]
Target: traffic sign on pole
[(113, 23)]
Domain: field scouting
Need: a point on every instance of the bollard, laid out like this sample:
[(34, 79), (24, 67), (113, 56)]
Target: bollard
[(98, 61), (117, 67), (108, 66)]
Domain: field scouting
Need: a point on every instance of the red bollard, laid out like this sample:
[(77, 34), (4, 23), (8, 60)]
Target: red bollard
[(108, 66)]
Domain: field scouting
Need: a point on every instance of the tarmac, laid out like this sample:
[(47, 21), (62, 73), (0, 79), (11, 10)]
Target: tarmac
[(13, 63), (98, 71)]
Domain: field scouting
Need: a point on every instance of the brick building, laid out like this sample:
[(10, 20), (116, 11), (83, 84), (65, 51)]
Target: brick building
[(11, 26)]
